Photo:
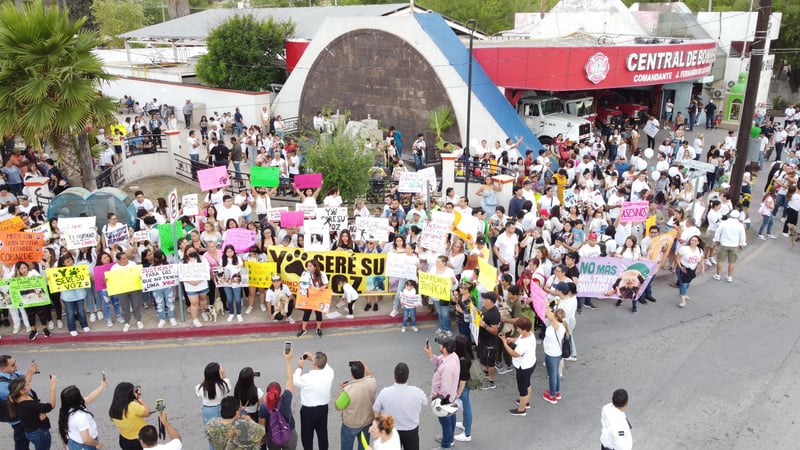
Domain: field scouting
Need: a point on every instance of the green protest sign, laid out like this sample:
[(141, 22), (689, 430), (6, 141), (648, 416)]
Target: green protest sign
[(165, 235), (264, 176), (28, 291)]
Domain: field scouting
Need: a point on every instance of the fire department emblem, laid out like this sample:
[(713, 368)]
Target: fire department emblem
[(597, 68)]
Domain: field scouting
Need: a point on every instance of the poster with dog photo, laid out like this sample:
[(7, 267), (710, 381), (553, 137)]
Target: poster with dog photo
[(26, 291), (231, 277)]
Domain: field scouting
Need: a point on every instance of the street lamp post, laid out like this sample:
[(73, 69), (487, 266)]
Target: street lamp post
[(472, 24)]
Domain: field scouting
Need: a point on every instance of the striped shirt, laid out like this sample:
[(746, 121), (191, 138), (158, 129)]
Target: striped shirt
[(403, 402)]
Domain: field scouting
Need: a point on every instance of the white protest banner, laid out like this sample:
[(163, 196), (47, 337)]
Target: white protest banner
[(159, 277), (317, 237), (372, 229), (44, 229), (117, 236), (274, 214), (194, 272), (81, 224), (141, 236), (334, 218), (80, 239), (309, 211), (428, 178), (434, 233), (189, 202), (400, 265), (410, 182)]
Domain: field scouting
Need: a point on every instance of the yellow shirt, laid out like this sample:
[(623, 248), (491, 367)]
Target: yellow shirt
[(132, 422)]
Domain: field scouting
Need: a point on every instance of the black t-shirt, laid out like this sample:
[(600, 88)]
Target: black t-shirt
[(28, 415), (464, 374), (573, 272), (220, 152), (491, 317)]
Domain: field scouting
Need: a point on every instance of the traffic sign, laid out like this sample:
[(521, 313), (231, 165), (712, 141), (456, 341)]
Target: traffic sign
[(172, 205)]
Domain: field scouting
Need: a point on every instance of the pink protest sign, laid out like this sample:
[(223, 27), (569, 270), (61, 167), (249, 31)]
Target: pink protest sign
[(538, 299), (309, 180), (99, 278), (291, 219), (634, 212), (213, 178), (241, 239)]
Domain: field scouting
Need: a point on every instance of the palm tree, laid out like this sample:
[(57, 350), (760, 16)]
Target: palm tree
[(49, 84)]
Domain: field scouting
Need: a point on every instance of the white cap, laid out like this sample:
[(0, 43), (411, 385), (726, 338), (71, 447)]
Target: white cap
[(734, 214)]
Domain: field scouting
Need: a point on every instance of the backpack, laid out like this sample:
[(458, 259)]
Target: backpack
[(278, 430), (475, 380), (5, 413)]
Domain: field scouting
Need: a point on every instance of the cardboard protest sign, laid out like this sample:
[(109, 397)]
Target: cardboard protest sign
[(213, 178), (309, 211), (538, 300), (355, 268), (618, 278), (159, 277), (487, 275), (194, 272), (650, 222), (100, 276), (318, 299), (78, 239), (317, 237), (189, 203), (20, 246), (475, 323), (68, 278), (141, 236), (634, 212), (274, 214), (372, 229), (400, 265), (13, 224), (44, 228), (260, 273), (291, 219), (309, 180), (83, 224), (263, 176), (125, 279), (28, 291), (229, 277), (434, 233), (409, 182), (428, 179), (467, 227), (335, 219), (434, 286), (241, 239), (165, 236), (118, 236), (570, 199)]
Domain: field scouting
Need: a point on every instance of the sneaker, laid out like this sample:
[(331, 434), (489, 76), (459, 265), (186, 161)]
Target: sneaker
[(350, 316), (32, 335), (558, 395), (46, 332), (651, 299), (402, 329), (393, 313), (99, 315), (714, 260), (415, 329), (460, 425), (375, 307), (590, 306), (783, 219), (239, 318), (86, 329), (785, 234), (230, 317), (109, 323), (92, 317), (504, 370), (462, 437), (367, 307), (73, 333), (248, 310), (619, 302), (301, 333), (291, 320), (709, 263), (319, 332), (161, 323), (173, 322), (263, 308), (633, 310), (488, 385), (527, 405), (15, 330), (126, 327), (139, 324), (120, 319), (762, 237), (546, 396), (515, 412), (642, 301), (498, 366), (716, 277), (571, 358), (771, 236), (197, 323), (729, 279), (60, 324), (205, 317), (50, 324)]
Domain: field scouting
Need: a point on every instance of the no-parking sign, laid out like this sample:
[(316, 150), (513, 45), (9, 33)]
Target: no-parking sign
[(172, 205)]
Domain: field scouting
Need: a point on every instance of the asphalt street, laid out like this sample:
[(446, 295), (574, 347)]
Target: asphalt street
[(716, 374)]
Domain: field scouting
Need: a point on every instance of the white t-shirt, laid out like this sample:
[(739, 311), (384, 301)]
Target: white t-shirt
[(392, 444), (273, 294), (331, 201), (193, 148), (223, 214), (506, 245), (198, 390), (174, 444), (526, 346), (79, 421), (690, 258), (349, 294), (615, 200)]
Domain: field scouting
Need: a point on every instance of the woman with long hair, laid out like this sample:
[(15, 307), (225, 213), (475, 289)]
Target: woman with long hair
[(212, 390), (73, 300), (197, 291), (232, 266), (689, 258), (247, 393), (164, 297), (554, 336), (765, 211), (465, 357), (345, 242), (128, 412), (213, 256), (21, 269), (24, 406), (442, 269), (76, 425), (523, 356), (280, 402), (312, 277)]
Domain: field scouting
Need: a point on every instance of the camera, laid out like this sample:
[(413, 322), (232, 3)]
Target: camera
[(256, 374), (160, 405)]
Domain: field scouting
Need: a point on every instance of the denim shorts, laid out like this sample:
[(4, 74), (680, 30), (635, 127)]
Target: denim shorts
[(202, 292)]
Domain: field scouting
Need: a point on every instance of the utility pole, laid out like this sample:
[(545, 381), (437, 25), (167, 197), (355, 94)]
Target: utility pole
[(472, 24), (748, 107)]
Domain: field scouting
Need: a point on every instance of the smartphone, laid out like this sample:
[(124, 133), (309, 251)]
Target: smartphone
[(287, 348), (427, 343), (33, 361), (256, 374), (305, 355), (137, 389), (160, 406), (104, 376)]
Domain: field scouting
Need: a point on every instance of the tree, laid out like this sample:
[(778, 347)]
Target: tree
[(345, 162), (114, 17), (178, 8), (49, 81), (244, 53)]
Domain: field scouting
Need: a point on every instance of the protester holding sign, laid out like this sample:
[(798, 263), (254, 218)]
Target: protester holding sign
[(104, 263), (441, 269), (73, 300), (312, 277), (231, 267), (129, 300), (164, 297)]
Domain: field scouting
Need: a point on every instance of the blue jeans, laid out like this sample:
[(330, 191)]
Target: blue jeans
[(466, 409), (92, 301), (72, 445), (195, 157), (448, 430), (409, 313), (443, 309), (209, 412), (108, 303), (348, 435), (20, 441), (72, 308), (760, 159), (234, 296), (165, 299), (780, 200), (766, 223), (401, 284), (237, 169), (419, 161), (239, 128), (552, 362), (40, 439), (682, 286)]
